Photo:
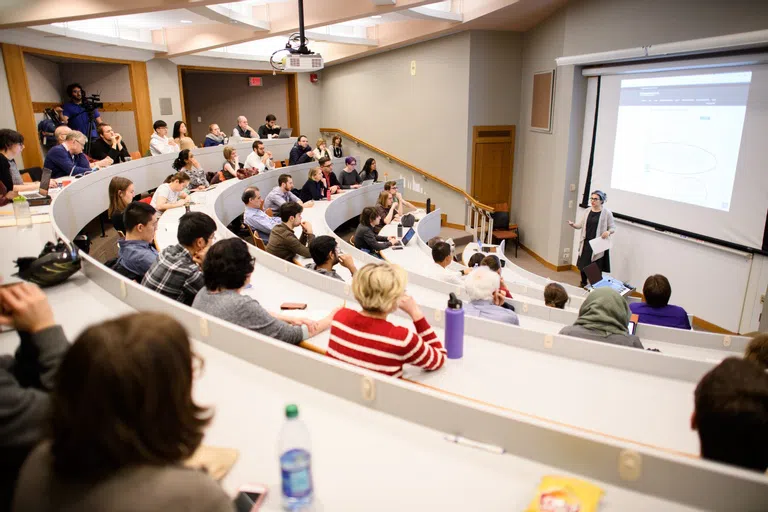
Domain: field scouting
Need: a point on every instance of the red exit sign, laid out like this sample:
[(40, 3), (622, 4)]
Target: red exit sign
[(254, 81)]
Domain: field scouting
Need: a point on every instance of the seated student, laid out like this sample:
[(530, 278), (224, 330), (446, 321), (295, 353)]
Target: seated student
[(325, 255), (215, 136), (314, 187), (369, 171), (171, 193), (259, 159), (26, 378), (61, 133), (243, 130), (482, 285), (441, 255), (181, 137), (159, 142), (254, 216), (227, 269), (656, 309), (387, 209), (109, 144), (301, 152), (476, 259), (391, 187), (349, 177), (177, 272), (757, 350), (283, 193), (270, 129), (11, 144), (555, 296), (331, 181), (283, 242), (368, 340), (494, 263), (68, 158), (336, 146), (188, 164), (136, 253), (731, 414), (123, 421), (365, 238), (231, 164), (604, 316), (321, 149), (121, 192)]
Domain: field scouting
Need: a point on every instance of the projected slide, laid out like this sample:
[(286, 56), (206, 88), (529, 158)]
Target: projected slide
[(678, 137)]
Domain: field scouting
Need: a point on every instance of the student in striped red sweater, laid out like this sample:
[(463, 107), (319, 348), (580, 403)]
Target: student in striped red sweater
[(368, 340)]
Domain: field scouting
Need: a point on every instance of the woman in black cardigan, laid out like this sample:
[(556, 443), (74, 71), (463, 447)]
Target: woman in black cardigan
[(365, 238), (314, 188)]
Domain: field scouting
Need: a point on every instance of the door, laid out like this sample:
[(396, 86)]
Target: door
[(493, 150)]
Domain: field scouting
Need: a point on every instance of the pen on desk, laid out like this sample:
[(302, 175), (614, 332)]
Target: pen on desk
[(474, 444)]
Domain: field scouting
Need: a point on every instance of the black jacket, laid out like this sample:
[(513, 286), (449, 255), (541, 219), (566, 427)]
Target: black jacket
[(312, 191), (299, 155), (366, 239), (101, 150)]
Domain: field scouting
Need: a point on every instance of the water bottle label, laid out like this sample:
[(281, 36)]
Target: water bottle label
[(296, 473)]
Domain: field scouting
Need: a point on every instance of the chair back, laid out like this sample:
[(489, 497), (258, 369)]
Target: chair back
[(135, 155), (257, 241), (269, 212)]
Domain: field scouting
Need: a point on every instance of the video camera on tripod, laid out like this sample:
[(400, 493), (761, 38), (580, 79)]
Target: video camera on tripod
[(91, 103)]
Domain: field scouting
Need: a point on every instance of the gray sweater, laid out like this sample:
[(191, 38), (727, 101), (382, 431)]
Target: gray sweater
[(247, 312), (579, 331)]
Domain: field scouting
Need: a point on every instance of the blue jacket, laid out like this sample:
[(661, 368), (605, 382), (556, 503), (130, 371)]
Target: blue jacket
[(62, 163), (208, 142), (299, 155), (136, 256)]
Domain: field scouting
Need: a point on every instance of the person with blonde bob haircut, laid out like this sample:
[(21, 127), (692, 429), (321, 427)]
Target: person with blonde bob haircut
[(482, 286), (366, 339), (122, 423)]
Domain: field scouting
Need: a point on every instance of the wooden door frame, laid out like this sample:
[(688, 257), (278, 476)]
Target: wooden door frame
[(476, 139), (24, 108), (291, 91)]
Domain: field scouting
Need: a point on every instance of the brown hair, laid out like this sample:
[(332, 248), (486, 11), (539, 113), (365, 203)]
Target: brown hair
[(117, 186), (369, 213), (382, 200), (101, 127), (228, 153), (657, 291), (180, 176), (757, 350), (555, 296), (492, 262), (334, 139), (123, 397)]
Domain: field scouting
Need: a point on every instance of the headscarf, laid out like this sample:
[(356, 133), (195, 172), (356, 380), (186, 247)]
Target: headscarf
[(605, 312)]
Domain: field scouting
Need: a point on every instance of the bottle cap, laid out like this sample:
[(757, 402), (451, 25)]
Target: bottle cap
[(291, 411), (453, 301)]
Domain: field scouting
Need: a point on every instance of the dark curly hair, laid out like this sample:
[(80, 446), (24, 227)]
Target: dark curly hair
[(181, 160), (227, 265)]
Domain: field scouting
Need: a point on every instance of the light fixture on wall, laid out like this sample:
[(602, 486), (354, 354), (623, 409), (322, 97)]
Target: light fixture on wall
[(376, 17)]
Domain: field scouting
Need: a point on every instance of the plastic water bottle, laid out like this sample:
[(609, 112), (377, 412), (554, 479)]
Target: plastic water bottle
[(328, 193), (295, 461), (399, 230), (21, 212), (454, 328)]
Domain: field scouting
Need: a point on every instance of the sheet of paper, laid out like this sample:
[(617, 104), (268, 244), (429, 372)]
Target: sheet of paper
[(600, 244)]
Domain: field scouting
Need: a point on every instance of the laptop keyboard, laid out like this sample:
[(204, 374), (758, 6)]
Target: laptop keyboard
[(34, 196)]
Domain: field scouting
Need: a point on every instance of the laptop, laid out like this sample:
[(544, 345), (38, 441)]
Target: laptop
[(597, 280), (285, 133), (41, 198), (365, 183), (407, 237)]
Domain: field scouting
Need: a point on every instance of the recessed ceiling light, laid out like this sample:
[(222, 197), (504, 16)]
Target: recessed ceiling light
[(376, 17), (185, 21)]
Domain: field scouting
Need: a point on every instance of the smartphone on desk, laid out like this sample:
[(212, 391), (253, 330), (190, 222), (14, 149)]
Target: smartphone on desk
[(397, 247), (250, 497), (287, 306)]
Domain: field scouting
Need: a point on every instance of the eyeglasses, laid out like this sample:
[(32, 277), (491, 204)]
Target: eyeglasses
[(594, 198), (327, 166)]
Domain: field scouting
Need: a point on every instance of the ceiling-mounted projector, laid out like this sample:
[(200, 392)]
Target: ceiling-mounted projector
[(299, 58)]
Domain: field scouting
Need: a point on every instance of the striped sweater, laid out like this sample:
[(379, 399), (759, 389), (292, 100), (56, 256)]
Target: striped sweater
[(383, 347)]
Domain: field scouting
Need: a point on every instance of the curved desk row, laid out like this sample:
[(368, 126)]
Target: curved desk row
[(700, 484)]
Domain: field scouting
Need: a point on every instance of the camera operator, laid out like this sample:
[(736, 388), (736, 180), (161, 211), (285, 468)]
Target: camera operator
[(77, 112), (109, 144)]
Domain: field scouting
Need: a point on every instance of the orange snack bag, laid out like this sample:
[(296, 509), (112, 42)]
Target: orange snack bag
[(563, 494)]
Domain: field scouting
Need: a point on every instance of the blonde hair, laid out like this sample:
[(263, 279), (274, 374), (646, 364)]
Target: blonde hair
[(312, 172), (378, 286), (321, 141), (228, 150), (382, 200)]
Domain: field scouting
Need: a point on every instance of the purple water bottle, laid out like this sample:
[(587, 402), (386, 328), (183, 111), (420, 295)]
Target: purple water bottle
[(454, 328)]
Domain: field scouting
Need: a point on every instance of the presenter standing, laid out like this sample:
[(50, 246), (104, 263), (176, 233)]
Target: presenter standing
[(597, 221)]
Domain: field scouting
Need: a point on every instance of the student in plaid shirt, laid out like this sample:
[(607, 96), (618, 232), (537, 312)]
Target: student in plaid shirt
[(177, 272)]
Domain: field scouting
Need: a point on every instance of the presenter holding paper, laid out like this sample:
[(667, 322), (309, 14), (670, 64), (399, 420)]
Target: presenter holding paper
[(596, 222)]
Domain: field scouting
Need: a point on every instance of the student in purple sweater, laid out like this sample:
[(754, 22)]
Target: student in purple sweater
[(656, 309)]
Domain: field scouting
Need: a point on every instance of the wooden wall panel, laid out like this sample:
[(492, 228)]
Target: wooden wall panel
[(293, 104), (21, 100), (141, 102)]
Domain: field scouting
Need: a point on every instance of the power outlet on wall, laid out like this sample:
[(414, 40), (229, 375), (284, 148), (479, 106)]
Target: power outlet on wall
[(570, 204), (413, 68)]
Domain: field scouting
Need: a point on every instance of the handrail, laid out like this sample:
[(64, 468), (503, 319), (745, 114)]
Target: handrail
[(409, 166)]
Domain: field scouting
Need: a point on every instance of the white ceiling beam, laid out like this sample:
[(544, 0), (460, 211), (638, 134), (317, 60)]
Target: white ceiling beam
[(223, 14), (425, 13), (330, 38)]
